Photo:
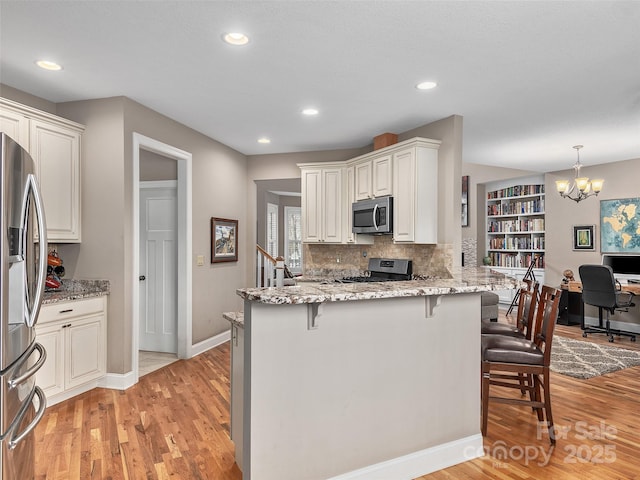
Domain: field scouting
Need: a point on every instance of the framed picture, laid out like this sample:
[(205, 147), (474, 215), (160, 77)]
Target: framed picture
[(465, 201), (224, 240), (584, 237), (620, 225)]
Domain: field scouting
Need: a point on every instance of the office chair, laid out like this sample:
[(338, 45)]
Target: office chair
[(600, 289)]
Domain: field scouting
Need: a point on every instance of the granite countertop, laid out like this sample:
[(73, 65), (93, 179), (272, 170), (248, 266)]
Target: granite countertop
[(463, 280), (76, 289), (236, 318)]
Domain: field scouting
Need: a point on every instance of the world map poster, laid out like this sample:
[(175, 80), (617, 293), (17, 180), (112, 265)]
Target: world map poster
[(620, 225)]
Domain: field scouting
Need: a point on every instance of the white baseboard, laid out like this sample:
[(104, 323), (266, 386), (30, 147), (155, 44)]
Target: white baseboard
[(210, 343), (117, 381), (120, 381), (616, 325), (420, 463)]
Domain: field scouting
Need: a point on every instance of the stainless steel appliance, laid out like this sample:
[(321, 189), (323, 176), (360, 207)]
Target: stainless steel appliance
[(22, 276), (384, 270), (373, 216)]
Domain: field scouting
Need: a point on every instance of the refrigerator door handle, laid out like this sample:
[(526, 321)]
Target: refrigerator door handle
[(16, 437), (34, 309), (15, 381)]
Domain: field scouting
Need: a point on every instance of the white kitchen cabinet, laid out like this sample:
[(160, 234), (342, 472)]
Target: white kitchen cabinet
[(322, 204), (55, 145), (74, 336), (415, 192), (373, 177)]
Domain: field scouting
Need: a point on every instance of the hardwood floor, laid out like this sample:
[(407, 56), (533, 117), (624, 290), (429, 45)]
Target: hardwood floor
[(175, 424)]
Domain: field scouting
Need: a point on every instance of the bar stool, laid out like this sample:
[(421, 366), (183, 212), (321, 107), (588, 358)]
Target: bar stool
[(506, 360), (524, 317)]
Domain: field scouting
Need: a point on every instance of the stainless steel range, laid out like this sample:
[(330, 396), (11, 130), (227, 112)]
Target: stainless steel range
[(384, 270)]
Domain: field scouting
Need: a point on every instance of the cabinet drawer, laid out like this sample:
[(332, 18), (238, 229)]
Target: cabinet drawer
[(64, 310)]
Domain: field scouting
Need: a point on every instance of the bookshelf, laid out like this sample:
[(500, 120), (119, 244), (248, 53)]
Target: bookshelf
[(515, 229)]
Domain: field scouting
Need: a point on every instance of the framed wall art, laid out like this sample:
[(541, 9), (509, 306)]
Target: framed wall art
[(620, 225), (584, 237), (224, 240)]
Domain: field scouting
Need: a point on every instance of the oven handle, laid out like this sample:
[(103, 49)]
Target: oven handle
[(375, 216), (16, 439), (15, 381)]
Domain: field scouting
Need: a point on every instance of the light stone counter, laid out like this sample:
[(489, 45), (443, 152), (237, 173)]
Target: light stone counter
[(464, 280)]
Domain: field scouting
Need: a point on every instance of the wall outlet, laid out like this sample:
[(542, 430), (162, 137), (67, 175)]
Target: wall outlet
[(200, 260)]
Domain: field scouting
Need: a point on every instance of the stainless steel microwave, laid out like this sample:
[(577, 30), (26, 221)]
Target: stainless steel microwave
[(373, 216)]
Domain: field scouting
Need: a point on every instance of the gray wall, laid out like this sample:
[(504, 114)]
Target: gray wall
[(219, 189), (154, 167)]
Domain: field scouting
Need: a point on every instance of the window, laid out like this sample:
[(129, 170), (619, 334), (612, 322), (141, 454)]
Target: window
[(293, 239), (272, 230)]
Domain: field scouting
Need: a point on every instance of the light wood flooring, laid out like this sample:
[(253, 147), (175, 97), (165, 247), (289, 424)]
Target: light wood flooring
[(175, 424)]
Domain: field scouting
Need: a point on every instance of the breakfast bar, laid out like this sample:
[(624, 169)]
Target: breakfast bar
[(354, 381)]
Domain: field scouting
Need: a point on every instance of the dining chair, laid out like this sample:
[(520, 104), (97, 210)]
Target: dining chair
[(524, 317), (507, 359)]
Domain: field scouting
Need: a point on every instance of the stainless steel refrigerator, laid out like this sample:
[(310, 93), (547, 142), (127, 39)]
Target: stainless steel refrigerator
[(24, 268)]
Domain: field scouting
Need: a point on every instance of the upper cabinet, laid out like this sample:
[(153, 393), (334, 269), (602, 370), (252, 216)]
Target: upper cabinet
[(407, 170), (322, 204), (54, 144), (415, 192), (373, 177)]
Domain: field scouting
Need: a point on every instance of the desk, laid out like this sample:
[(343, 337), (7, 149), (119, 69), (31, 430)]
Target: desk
[(571, 308)]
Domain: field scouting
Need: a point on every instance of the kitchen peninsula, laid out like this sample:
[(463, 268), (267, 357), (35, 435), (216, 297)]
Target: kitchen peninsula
[(359, 381)]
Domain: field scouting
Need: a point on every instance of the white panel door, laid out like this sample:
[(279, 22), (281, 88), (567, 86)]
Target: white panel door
[(158, 270)]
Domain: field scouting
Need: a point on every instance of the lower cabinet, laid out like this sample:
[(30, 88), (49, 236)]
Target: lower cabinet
[(74, 335)]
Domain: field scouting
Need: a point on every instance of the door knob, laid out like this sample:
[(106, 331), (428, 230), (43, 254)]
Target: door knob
[(142, 278)]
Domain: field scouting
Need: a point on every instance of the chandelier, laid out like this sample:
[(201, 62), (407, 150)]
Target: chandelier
[(582, 187)]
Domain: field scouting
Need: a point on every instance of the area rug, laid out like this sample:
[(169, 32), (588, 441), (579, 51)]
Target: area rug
[(586, 360)]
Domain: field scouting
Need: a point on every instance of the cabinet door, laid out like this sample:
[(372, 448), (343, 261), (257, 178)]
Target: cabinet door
[(50, 377), (16, 126), (382, 176), (311, 201), (85, 350), (349, 179), (56, 151), (332, 205), (363, 173), (404, 174)]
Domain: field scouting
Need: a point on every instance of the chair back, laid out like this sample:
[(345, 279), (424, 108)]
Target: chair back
[(598, 285), (527, 308), (546, 318)]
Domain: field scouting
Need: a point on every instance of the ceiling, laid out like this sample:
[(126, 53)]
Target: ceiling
[(531, 79)]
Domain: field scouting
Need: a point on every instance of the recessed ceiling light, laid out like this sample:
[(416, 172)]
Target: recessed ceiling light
[(236, 38), (310, 111), (426, 85), (264, 140), (47, 65)]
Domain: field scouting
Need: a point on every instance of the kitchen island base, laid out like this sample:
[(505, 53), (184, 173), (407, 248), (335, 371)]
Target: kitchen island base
[(377, 389)]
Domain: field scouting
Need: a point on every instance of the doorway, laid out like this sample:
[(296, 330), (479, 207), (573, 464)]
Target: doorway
[(181, 162)]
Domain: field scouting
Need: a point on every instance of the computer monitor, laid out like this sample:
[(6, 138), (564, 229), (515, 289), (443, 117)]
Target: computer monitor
[(623, 266)]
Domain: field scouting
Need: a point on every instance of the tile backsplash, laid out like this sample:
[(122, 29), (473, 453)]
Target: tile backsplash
[(435, 260)]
